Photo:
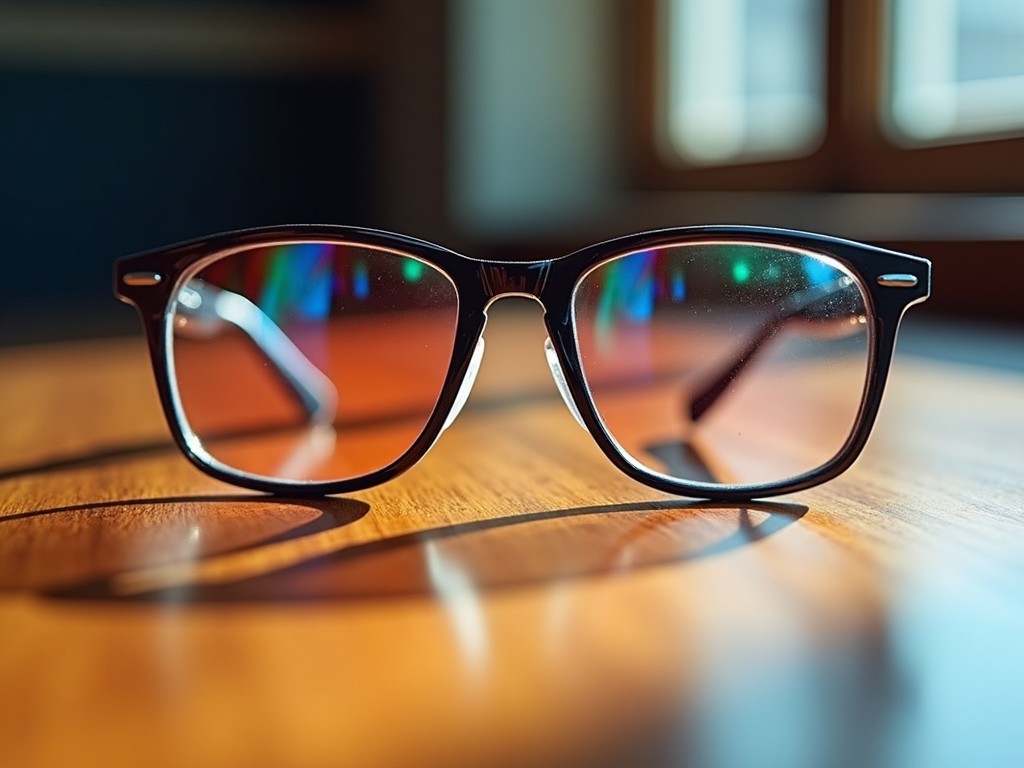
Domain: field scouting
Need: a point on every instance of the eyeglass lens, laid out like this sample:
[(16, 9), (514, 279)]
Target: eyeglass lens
[(724, 362), (310, 361)]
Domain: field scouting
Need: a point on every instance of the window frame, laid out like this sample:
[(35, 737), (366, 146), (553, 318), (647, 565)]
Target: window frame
[(857, 152)]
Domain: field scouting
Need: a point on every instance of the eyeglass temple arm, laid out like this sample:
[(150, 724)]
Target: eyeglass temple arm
[(207, 308), (796, 306)]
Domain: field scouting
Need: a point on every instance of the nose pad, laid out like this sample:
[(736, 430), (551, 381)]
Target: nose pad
[(559, 377), (467, 383)]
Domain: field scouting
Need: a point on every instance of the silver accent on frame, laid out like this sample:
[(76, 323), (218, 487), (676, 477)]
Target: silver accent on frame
[(142, 278), (897, 281)]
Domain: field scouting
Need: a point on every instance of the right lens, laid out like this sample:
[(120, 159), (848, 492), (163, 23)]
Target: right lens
[(727, 363), (310, 361)]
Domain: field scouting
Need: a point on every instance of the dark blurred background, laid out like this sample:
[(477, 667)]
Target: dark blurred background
[(505, 129)]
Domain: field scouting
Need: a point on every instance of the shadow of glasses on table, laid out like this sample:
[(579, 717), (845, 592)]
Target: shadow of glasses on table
[(225, 549)]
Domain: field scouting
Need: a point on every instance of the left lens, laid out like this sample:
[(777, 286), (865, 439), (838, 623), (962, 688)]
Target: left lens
[(309, 361), (726, 363)]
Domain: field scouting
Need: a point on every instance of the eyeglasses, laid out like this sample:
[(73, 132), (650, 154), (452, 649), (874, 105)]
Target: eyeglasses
[(716, 362)]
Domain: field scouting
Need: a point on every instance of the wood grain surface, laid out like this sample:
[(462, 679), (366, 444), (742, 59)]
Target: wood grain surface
[(511, 601)]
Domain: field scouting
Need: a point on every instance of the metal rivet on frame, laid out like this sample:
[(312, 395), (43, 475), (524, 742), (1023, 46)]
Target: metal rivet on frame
[(142, 278), (897, 281)]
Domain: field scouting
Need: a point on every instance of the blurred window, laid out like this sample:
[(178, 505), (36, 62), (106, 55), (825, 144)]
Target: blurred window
[(745, 79), (957, 69), (853, 95)]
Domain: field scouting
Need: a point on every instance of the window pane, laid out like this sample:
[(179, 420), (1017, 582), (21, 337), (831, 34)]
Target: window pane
[(957, 68), (745, 78)]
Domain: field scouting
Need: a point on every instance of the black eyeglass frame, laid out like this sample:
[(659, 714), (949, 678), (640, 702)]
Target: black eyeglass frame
[(891, 283)]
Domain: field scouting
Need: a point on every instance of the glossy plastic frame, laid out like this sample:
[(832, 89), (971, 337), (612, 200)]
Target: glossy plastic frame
[(892, 282)]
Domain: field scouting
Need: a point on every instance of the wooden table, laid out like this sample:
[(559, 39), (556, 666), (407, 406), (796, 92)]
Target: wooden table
[(511, 601)]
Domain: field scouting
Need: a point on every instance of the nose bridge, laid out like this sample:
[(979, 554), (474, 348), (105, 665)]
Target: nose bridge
[(513, 278)]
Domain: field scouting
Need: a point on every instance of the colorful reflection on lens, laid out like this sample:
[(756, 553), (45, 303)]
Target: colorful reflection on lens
[(311, 361), (726, 363)]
